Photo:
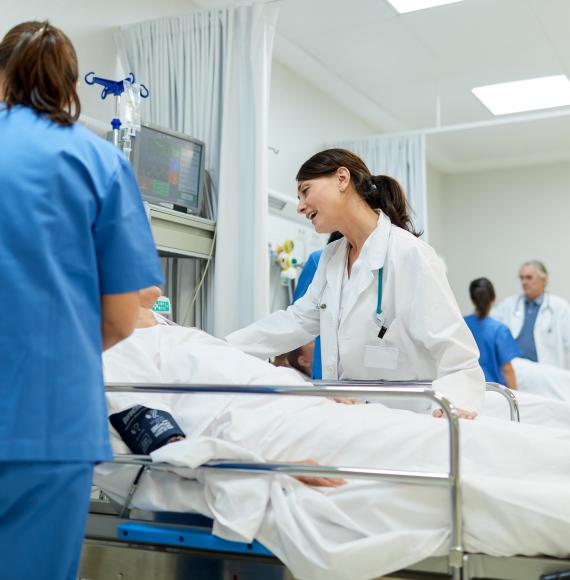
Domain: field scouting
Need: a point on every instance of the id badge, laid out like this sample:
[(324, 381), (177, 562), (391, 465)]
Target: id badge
[(381, 357)]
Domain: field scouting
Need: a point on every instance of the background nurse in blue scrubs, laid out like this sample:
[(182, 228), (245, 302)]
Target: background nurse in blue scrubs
[(75, 247), (496, 344)]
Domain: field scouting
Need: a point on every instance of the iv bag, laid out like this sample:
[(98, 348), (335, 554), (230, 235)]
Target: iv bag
[(132, 104)]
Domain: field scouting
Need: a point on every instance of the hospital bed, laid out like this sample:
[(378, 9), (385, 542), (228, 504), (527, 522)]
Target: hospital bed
[(124, 543)]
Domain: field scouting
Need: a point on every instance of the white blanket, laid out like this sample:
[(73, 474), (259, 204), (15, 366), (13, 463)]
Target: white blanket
[(515, 476), (542, 379)]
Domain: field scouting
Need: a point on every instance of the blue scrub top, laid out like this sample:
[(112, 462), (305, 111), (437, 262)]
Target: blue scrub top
[(72, 227), (303, 283), (496, 345)]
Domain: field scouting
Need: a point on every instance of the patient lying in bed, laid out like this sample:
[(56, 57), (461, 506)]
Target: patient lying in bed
[(515, 477)]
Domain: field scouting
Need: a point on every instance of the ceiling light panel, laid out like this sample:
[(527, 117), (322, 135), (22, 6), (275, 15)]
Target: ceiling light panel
[(403, 6), (527, 95)]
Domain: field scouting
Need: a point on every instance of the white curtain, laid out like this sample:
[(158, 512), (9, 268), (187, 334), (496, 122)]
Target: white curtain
[(402, 157), (209, 76)]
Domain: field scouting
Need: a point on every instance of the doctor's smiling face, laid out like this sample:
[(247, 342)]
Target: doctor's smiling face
[(321, 199), (532, 281)]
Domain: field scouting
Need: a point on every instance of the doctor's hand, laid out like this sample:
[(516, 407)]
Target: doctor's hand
[(461, 413)]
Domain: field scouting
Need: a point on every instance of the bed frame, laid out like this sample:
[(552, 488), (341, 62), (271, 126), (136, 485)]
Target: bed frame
[(124, 544)]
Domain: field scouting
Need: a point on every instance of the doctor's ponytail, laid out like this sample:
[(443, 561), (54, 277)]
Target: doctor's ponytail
[(38, 67), (380, 192)]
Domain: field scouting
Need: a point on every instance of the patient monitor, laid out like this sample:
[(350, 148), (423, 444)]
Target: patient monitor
[(170, 168)]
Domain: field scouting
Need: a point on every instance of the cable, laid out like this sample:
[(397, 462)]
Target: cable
[(189, 309), (210, 209)]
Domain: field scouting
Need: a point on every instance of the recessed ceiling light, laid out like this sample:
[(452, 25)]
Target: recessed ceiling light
[(403, 6), (529, 95)]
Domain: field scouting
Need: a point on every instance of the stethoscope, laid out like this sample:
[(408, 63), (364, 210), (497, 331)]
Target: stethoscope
[(544, 307), (379, 315)]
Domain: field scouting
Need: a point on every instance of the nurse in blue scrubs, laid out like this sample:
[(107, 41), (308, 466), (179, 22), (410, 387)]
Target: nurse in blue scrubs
[(75, 248), (495, 341)]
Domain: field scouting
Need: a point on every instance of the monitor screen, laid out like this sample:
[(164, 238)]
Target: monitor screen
[(169, 167)]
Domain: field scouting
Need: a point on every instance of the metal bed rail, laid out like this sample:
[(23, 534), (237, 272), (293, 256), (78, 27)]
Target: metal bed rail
[(417, 389), (505, 392), (353, 388), (509, 396)]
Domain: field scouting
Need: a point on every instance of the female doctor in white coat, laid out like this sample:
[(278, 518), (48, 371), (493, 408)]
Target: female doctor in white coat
[(380, 298)]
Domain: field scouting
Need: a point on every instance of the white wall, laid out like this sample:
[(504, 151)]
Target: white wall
[(436, 212), (301, 120), (90, 26), (496, 220)]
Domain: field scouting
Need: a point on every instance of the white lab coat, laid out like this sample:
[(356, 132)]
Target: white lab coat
[(427, 337), (551, 329)]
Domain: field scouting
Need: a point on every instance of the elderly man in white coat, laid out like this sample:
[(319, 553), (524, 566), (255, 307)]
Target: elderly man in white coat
[(539, 321), (380, 298)]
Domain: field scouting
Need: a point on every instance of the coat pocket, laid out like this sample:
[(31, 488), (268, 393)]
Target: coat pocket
[(381, 357)]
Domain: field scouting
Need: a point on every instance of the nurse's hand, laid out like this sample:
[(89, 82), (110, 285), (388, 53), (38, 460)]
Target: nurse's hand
[(461, 413), (148, 296)]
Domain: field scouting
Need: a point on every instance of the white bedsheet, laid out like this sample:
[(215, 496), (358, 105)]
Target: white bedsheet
[(516, 477)]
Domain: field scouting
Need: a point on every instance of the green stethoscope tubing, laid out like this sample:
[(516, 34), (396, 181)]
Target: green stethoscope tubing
[(379, 315)]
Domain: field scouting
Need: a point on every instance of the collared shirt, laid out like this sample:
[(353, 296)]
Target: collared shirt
[(525, 339), (72, 228)]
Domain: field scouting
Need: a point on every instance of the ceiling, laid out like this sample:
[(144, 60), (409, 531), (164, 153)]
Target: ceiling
[(400, 73), (415, 71), (404, 62)]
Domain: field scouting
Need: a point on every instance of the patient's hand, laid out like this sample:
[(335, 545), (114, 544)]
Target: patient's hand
[(461, 413), (317, 481), (343, 400)]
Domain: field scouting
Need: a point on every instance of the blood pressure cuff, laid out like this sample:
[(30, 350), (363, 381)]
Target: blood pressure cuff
[(145, 430)]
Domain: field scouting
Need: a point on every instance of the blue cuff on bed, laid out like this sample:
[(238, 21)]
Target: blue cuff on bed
[(145, 430)]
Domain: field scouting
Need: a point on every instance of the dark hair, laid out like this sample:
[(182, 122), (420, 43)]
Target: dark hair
[(378, 191), (293, 359), (334, 237), (482, 295), (39, 67)]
